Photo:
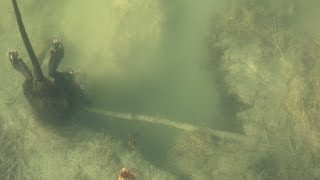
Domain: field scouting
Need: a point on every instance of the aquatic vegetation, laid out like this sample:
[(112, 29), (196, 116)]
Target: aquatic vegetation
[(52, 152), (12, 154), (272, 69), (266, 65)]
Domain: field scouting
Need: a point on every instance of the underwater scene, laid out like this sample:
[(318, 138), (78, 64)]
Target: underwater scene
[(159, 90)]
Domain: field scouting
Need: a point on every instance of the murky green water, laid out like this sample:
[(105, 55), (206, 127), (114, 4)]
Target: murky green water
[(242, 66)]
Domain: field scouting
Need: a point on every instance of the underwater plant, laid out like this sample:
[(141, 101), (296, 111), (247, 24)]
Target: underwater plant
[(12, 155), (271, 68)]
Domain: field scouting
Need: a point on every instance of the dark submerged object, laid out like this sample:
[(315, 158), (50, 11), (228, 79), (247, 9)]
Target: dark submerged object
[(53, 100)]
